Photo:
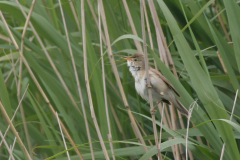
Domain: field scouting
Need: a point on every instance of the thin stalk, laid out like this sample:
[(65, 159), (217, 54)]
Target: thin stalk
[(158, 33), (234, 104), (115, 71), (137, 43), (221, 22), (65, 145), (160, 40), (174, 127), (163, 56), (160, 132), (38, 85), (13, 128), (149, 32), (166, 122), (20, 77), (5, 38), (88, 85), (118, 123), (12, 147), (12, 71), (67, 90), (104, 85), (144, 133), (96, 21), (51, 62), (188, 123), (222, 63), (74, 14), (148, 79), (70, 48), (6, 145), (148, 27), (53, 14), (195, 43), (19, 104)]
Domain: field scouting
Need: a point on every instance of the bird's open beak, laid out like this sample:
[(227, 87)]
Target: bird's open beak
[(128, 58)]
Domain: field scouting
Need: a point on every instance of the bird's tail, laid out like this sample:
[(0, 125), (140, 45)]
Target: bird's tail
[(180, 107)]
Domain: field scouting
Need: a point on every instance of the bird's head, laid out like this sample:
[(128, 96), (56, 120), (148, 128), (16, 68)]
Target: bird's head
[(136, 60)]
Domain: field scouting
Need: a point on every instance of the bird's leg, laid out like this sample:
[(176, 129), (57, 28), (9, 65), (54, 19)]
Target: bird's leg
[(153, 111)]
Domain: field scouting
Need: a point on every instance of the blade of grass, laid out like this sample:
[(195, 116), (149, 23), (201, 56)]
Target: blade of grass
[(201, 84), (36, 81), (233, 13), (88, 85)]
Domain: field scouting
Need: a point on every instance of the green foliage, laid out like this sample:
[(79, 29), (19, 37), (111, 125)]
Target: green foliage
[(195, 38)]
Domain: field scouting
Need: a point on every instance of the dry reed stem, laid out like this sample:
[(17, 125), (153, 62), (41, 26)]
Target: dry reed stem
[(8, 148), (5, 38), (51, 62), (165, 122), (144, 133), (111, 146), (12, 70), (13, 145), (13, 65), (115, 71), (96, 21), (118, 122), (70, 48), (104, 85), (13, 128), (88, 85), (222, 63), (20, 102), (188, 123), (148, 79), (85, 115), (20, 77), (119, 125), (65, 145), (74, 14), (168, 59), (137, 43), (149, 32), (38, 85), (174, 125), (160, 135), (151, 44), (158, 33), (221, 22), (148, 27), (234, 104)]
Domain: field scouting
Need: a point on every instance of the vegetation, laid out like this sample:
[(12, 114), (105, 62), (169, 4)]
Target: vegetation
[(72, 85)]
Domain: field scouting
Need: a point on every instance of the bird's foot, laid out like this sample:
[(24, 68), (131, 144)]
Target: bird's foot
[(153, 111), (149, 85)]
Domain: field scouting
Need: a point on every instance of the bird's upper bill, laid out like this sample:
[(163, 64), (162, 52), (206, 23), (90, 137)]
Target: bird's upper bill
[(128, 58)]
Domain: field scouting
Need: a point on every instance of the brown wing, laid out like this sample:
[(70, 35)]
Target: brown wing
[(165, 80)]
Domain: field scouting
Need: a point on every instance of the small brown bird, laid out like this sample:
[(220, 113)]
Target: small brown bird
[(162, 89)]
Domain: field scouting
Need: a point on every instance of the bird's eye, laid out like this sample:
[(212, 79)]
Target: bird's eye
[(135, 59)]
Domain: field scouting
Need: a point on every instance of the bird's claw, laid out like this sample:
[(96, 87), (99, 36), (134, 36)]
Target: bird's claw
[(149, 85), (153, 111)]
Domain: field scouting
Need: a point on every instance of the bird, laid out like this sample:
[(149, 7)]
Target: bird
[(162, 89)]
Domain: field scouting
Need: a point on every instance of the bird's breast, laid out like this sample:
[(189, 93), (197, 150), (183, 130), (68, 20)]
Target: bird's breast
[(140, 85)]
